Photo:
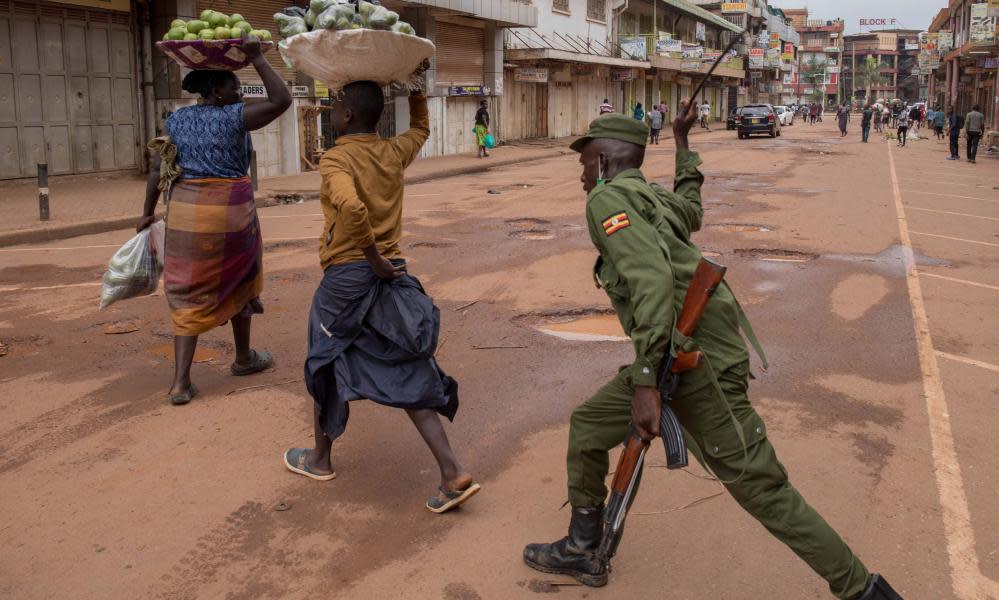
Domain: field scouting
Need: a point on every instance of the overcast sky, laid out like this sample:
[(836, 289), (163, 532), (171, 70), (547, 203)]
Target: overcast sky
[(911, 14)]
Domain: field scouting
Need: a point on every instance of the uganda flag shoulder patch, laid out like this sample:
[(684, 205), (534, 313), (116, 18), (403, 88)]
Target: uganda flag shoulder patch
[(615, 223)]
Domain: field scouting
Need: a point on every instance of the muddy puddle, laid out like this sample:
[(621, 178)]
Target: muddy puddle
[(602, 327), (776, 255), (202, 354), (532, 234), (739, 227)]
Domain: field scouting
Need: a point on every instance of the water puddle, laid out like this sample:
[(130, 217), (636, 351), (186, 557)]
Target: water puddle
[(202, 354), (532, 234), (776, 254), (739, 227), (585, 328)]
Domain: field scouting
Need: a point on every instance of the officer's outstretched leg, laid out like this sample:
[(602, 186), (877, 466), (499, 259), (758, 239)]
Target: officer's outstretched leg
[(597, 425), (763, 488)]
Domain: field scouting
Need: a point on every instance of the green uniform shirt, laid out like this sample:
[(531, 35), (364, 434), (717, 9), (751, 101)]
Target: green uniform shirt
[(646, 262)]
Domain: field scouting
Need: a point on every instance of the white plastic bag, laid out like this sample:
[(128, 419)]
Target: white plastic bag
[(135, 268), (340, 57)]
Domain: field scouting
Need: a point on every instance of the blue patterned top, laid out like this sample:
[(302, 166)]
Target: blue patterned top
[(211, 141)]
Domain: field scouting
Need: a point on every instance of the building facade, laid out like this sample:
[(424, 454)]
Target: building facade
[(896, 52), (962, 59), (819, 60)]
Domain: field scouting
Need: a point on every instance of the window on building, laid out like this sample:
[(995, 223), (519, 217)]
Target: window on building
[(596, 10), (561, 6)]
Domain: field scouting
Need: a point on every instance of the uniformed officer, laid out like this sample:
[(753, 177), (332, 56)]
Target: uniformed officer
[(646, 261)]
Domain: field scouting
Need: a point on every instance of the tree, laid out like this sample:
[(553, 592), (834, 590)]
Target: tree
[(813, 72), (869, 74)]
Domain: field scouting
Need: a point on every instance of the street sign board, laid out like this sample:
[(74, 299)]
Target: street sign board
[(531, 75)]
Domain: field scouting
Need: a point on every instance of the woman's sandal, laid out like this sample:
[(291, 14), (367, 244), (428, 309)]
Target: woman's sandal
[(261, 362), (446, 500), (295, 460), (184, 397)]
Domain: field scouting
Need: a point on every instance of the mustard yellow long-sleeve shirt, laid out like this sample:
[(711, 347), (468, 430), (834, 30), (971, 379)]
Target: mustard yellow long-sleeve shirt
[(362, 186)]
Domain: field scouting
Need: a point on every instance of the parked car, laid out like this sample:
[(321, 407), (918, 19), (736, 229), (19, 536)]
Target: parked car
[(785, 115), (730, 121), (757, 118)]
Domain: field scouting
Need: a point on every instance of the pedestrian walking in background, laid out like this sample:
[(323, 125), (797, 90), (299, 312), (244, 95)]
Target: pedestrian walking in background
[(865, 122), (915, 117), (705, 115), (639, 112), (655, 119), (606, 107), (974, 123), (843, 114), (212, 269), (877, 118), (372, 328), (647, 259), (481, 128), (903, 127), (954, 124), (813, 113), (930, 115), (939, 120), (895, 110), (886, 117)]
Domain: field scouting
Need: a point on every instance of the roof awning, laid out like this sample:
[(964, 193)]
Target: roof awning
[(675, 64), (697, 11), (531, 54), (505, 13)]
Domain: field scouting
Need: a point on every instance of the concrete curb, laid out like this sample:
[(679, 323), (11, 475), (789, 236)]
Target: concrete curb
[(60, 232)]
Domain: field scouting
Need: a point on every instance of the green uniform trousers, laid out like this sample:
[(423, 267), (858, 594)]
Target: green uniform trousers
[(763, 490)]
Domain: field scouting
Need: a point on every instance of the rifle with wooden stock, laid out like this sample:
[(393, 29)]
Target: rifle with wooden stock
[(707, 277)]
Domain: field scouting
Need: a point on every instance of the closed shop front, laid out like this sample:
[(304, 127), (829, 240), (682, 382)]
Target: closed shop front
[(460, 54), (68, 95), (524, 112)]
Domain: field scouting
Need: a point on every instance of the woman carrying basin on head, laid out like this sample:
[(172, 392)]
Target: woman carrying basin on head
[(212, 270)]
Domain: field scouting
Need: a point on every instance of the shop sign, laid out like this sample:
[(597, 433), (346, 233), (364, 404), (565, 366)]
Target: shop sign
[(668, 45), (582, 69), (945, 40), (983, 27), (831, 49), (692, 52), (878, 22), (756, 58), (711, 55), (300, 91), (788, 78), (912, 45), (690, 65), (832, 69), (734, 7), (775, 40), (253, 90), (468, 90), (989, 62), (322, 90), (633, 48), (623, 75), (531, 75)]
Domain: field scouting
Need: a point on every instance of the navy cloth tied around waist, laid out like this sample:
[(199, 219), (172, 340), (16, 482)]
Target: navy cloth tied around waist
[(373, 338)]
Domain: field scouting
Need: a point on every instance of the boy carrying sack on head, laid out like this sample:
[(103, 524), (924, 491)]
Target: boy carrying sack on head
[(372, 329)]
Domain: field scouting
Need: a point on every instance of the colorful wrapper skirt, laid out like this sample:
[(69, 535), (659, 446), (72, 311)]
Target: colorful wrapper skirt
[(480, 135), (213, 267)]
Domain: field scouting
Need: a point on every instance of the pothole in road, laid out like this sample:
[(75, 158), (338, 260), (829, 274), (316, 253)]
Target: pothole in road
[(586, 325), (431, 245), (739, 227), (527, 222), (776, 254), (532, 234), (271, 246), (499, 189)]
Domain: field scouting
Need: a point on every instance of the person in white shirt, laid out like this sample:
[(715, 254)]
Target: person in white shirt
[(606, 107), (705, 113)]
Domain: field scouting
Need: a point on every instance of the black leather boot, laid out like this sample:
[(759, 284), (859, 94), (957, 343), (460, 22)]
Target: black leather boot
[(879, 590), (575, 554)]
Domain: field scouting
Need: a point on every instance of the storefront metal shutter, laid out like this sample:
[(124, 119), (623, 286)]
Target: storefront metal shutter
[(260, 14), (460, 54)]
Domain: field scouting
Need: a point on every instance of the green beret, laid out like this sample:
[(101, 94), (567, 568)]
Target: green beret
[(614, 126)]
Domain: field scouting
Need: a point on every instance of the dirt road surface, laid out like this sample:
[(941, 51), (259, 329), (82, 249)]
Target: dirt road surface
[(870, 272)]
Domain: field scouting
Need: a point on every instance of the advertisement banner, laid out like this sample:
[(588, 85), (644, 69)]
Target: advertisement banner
[(988, 62), (994, 8), (788, 79), (666, 44), (912, 45), (691, 51), (690, 65), (774, 40), (699, 32), (633, 48), (945, 41), (734, 7), (983, 27), (710, 55), (756, 58)]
